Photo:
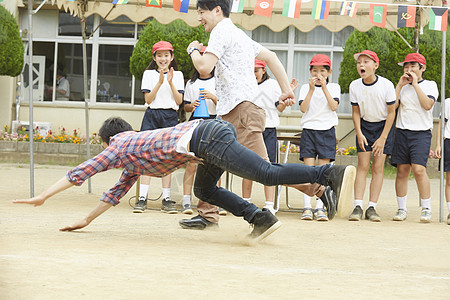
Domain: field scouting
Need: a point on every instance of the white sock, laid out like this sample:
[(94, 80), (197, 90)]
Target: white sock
[(186, 199), (448, 206), (166, 193), (143, 190), (372, 204), (319, 203), (401, 201), (248, 199), (425, 203), (269, 204), (307, 200), (358, 203)]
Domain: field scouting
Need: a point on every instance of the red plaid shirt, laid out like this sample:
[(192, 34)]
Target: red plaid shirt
[(151, 153)]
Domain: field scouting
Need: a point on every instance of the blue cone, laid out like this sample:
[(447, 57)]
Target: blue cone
[(202, 110)]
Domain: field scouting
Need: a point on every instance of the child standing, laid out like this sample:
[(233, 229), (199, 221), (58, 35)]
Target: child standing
[(446, 153), (319, 100), (373, 110), (163, 87), (413, 135)]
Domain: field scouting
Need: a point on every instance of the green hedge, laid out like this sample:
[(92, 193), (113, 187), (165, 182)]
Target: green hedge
[(11, 47)]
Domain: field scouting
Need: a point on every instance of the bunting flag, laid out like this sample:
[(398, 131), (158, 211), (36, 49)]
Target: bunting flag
[(181, 5), (291, 8), (378, 14), (348, 8), (438, 19), (120, 1), (237, 6), (263, 8), (320, 10), (153, 3), (406, 16)]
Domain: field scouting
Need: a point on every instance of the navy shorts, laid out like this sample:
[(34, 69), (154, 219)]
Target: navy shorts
[(372, 131), (446, 156), (159, 118), (411, 147), (270, 140), (320, 143)]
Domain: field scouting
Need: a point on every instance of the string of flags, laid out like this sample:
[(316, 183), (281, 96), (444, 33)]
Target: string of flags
[(406, 16)]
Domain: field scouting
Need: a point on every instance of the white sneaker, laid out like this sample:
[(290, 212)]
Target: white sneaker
[(400, 216), (425, 217), (271, 209)]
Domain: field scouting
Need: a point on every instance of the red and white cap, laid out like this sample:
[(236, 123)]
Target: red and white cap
[(368, 53), (162, 45), (414, 57), (320, 60), (260, 63)]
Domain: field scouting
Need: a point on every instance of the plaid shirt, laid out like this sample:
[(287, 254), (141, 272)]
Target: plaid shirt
[(151, 153)]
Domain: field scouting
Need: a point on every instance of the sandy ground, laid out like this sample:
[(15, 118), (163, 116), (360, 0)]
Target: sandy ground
[(122, 255)]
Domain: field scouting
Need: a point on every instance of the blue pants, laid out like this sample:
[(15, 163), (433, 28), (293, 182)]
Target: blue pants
[(215, 142)]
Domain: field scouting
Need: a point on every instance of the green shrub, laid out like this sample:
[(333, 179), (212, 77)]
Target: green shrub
[(11, 47), (177, 33)]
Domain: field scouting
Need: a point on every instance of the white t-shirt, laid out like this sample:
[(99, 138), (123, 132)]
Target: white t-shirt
[(269, 92), (191, 92), (411, 114), (373, 99), (164, 98), (235, 77), (319, 115), (63, 84), (447, 116)]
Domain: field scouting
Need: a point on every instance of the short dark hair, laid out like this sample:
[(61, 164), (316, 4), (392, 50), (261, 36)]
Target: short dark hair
[(325, 66), (113, 126), (225, 5)]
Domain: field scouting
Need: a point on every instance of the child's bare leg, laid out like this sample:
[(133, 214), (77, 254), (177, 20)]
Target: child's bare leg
[(361, 174), (377, 177), (401, 180), (422, 181)]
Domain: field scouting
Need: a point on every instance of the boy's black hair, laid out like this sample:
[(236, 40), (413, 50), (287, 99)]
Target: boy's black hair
[(264, 77), (173, 64), (326, 68), (225, 5), (113, 126)]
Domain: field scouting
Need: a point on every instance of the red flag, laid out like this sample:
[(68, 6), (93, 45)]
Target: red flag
[(263, 8), (378, 14)]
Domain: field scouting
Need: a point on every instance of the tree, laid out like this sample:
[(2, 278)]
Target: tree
[(177, 33), (11, 47), (391, 49)]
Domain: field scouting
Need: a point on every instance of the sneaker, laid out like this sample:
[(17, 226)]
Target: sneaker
[(400, 216), (197, 223), (448, 219), (329, 200), (264, 223), (371, 214), (168, 206), (356, 214), (307, 214), (341, 179), (187, 209), (320, 214), (271, 209), (425, 217), (222, 212), (140, 206)]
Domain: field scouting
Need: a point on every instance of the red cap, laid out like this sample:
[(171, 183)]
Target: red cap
[(414, 57), (260, 63), (320, 60), (369, 53), (162, 45)]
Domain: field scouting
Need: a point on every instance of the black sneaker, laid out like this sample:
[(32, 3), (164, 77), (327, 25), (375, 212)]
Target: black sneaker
[(371, 214), (329, 200), (341, 179), (264, 223), (168, 206), (197, 222), (140, 206), (356, 214)]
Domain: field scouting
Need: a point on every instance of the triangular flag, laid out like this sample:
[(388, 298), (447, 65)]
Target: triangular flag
[(320, 10), (378, 14), (181, 5), (291, 8), (438, 19), (406, 16), (263, 8), (120, 1), (348, 8), (153, 3), (237, 6)]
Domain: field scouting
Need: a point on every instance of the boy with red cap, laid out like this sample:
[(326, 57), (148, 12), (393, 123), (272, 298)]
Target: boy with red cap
[(416, 98), (318, 102), (373, 110)]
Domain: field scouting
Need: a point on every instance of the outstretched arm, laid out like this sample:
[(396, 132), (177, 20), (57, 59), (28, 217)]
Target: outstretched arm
[(59, 186), (101, 208)]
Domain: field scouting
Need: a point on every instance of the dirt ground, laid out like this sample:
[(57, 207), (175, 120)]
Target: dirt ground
[(122, 255)]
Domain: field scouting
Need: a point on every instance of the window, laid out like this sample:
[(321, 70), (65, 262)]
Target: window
[(69, 25), (122, 26)]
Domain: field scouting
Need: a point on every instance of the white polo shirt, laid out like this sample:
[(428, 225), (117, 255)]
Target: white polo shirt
[(447, 116), (269, 92), (164, 98), (191, 92), (373, 99), (319, 115), (235, 77), (411, 114)]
